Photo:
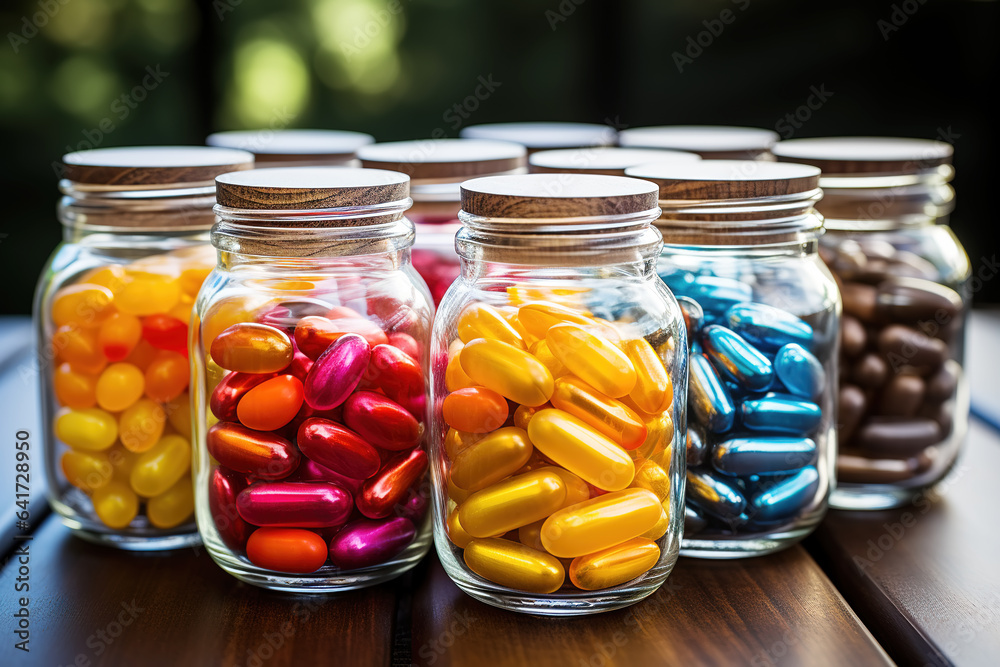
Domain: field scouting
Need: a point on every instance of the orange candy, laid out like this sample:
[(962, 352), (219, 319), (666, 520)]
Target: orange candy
[(119, 386), (167, 376), (271, 404), (118, 336), (82, 305), (74, 389), (293, 550), (475, 410), (79, 347), (252, 348)]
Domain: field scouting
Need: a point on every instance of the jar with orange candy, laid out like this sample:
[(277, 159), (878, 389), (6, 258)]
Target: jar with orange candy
[(112, 314)]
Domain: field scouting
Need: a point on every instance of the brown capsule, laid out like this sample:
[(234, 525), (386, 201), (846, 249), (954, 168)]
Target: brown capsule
[(941, 386), (851, 409), (902, 347), (898, 438), (901, 396), (943, 414), (852, 336), (859, 300), (870, 371), (854, 468), (913, 300), (849, 257)]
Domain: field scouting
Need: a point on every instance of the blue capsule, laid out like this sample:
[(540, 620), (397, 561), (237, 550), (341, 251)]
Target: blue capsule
[(785, 498), (694, 317), (780, 413), (708, 398), (763, 456), (697, 445), (767, 327), (800, 371), (694, 522), (716, 496), (715, 295), (736, 359)]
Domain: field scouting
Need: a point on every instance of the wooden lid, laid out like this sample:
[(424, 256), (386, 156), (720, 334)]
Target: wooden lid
[(727, 179), (444, 159), (293, 145), (556, 196), (544, 134), (610, 161), (310, 188), (701, 139), (865, 155), (153, 166)]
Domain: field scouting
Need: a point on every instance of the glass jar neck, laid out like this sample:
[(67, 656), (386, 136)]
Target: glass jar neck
[(885, 202), (165, 211)]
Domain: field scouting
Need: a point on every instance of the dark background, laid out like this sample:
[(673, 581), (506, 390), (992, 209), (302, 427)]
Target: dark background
[(397, 68)]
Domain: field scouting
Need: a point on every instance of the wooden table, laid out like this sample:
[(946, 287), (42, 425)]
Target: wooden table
[(931, 597)]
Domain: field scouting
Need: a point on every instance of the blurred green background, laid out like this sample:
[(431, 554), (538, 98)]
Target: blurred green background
[(93, 73)]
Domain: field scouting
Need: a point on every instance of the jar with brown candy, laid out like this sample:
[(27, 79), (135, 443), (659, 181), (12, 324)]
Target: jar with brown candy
[(903, 275)]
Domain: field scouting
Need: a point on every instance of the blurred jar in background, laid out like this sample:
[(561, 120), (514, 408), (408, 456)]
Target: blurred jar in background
[(295, 148), (542, 136), (904, 276), (711, 142), (112, 312), (436, 168), (601, 160)]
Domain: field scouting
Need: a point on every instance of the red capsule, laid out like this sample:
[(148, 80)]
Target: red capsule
[(381, 421), (399, 376), (256, 453), (233, 387), (392, 483), (335, 447), (406, 343), (300, 365), (165, 332), (314, 334), (295, 504), (223, 488)]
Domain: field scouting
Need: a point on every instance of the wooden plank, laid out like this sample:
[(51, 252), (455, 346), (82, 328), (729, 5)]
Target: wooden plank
[(778, 609), (924, 578), (91, 605)]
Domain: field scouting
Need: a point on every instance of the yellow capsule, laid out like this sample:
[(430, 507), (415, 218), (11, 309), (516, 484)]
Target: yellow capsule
[(571, 297), (524, 413), (161, 467), (172, 507), (115, 504), (455, 441), (141, 425), (660, 529), (507, 370), (538, 317), (82, 305), (112, 276), (576, 489), (148, 294), (491, 459), (514, 565), (609, 416), (456, 533), (512, 503), (182, 310), (455, 377), (191, 279), (531, 535), (653, 392), (480, 320), (615, 565), (540, 350), (580, 449), (509, 313), (86, 470), (600, 522), (592, 358), (649, 475), (123, 461), (119, 386), (179, 414), (455, 493), (659, 432), (91, 430)]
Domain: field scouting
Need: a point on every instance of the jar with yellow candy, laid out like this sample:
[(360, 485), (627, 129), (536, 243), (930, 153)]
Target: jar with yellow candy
[(559, 380), (112, 314)]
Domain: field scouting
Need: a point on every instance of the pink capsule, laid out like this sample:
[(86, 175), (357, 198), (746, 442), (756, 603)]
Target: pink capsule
[(415, 506), (261, 454), (223, 488), (234, 386), (337, 372), (335, 447), (295, 504), (399, 376), (363, 542), (381, 493), (310, 471), (406, 343), (381, 421)]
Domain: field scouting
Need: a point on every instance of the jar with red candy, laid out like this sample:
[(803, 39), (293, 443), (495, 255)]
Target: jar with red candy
[(436, 168), (309, 355)]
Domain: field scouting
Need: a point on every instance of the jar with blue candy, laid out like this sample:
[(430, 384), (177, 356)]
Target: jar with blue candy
[(904, 277), (741, 255)]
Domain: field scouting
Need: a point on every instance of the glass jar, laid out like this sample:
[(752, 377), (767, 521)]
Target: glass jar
[(111, 313), (309, 350), (606, 160), (904, 276), (295, 148), (558, 387), (540, 136), (711, 142), (740, 252), (436, 168)]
